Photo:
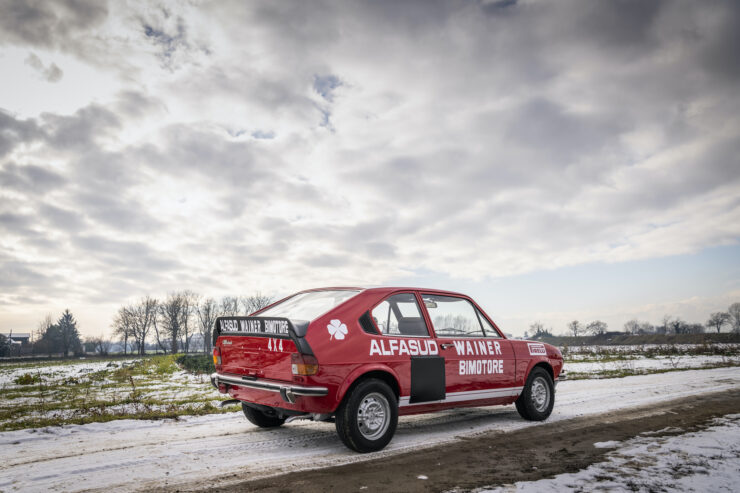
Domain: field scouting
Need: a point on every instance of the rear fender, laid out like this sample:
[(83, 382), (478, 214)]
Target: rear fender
[(364, 370)]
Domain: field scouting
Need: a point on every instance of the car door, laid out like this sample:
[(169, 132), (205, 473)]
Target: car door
[(479, 362)]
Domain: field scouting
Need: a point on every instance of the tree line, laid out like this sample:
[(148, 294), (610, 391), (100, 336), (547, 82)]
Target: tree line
[(669, 325), (171, 323), (167, 325)]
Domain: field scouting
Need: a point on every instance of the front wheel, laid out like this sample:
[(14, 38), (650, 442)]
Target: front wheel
[(263, 419), (367, 418), (536, 401)]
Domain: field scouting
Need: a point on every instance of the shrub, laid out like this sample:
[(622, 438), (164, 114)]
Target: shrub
[(197, 364), (27, 379)]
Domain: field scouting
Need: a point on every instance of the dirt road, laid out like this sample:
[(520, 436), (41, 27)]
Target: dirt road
[(497, 458)]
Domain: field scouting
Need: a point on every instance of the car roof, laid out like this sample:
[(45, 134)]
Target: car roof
[(384, 289)]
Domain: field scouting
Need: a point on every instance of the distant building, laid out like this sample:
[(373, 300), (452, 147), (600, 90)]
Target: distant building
[(20, 342), (23, 338)]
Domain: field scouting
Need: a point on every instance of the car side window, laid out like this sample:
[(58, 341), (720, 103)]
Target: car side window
[(453, 317), (487, 327), (399, 315)]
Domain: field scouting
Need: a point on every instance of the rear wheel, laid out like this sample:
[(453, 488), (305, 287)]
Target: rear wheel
[(536, 401), (264, 419), (367, 418)]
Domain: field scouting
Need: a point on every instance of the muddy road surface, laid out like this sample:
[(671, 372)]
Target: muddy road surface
[(499, 458)]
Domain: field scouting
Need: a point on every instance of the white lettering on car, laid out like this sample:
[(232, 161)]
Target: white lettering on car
[(478, 348), (481, 366), (393, 347)]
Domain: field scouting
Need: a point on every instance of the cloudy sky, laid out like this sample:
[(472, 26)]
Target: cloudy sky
[(556, 160)]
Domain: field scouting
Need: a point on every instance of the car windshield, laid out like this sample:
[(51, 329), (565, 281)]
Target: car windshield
[(308, 306)]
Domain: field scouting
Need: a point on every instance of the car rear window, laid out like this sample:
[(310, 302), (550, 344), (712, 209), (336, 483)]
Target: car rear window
[(308, 306)]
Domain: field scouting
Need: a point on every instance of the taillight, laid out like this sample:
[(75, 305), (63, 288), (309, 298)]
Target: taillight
[(217, 357), (304, 364)]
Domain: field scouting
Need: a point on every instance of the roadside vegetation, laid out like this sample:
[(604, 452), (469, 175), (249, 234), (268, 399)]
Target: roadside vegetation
[(52, 393), (588, 362), (78, 392)]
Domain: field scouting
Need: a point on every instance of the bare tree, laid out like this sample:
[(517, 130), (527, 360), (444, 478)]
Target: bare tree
[(141, 316), (229, 306), (632, 326), (251, 304), (597, 327), (665, 327), (718, 320), (43, 326), (646, 328), (190, 303), (103, 345), (678, 326), (123, 326), (575, 328), (41, 343), (207, 312), (734, 312), (174, 315), (159, 332), (693, 329)]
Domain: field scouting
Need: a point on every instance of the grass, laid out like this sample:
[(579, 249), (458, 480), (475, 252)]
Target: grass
[(97, 391)]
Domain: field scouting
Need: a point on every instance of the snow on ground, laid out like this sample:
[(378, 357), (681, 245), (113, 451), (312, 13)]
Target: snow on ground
[(595, 368), (704, 461), (9, 373), (139, 454), (715, 347)]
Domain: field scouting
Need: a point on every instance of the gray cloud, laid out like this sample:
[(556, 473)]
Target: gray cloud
[(52, 73), (14, 131), (30, 178), (49, 24)]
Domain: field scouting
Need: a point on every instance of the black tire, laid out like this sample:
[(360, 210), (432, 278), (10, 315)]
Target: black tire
[(263, 419), (373, 399), (538, 397)]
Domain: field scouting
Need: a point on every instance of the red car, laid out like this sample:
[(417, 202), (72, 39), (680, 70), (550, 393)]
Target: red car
[(362, 357)]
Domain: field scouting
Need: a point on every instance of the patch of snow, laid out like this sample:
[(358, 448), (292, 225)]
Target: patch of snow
[(609, 444), (707, 460)]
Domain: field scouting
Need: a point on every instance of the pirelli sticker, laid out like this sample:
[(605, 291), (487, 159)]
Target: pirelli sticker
[(536, 349)]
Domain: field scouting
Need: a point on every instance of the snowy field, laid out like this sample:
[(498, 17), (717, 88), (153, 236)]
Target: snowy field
[(618, 361), (196, 450), (702, 461), (80, 391), (34, 395)]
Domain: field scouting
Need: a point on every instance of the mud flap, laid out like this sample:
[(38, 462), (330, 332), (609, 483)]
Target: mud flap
[(427, 379)]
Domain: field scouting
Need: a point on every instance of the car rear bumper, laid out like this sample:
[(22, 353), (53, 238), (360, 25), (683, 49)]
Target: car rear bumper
[(288, 392)]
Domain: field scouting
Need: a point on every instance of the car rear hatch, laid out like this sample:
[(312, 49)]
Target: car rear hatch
[(260, 347)]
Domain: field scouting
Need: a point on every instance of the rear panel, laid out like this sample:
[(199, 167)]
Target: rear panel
[(256, 346)]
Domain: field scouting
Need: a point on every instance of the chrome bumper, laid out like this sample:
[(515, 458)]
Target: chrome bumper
[(289, 393)]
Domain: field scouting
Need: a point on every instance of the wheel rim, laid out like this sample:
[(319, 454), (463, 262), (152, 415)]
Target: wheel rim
[(373, 416), (540, 394)]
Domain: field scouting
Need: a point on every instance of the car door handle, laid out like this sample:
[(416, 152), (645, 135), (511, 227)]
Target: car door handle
[(445, 346)]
